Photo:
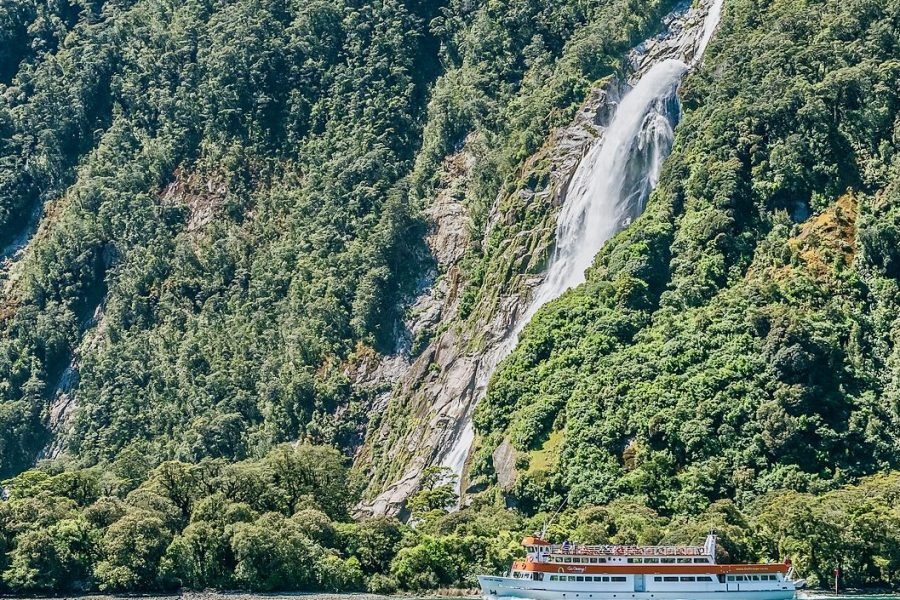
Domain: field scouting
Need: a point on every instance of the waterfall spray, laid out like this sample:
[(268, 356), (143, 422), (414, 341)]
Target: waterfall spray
[(608, 190)]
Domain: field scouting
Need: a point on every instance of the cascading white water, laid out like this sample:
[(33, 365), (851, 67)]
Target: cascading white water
[(612, 182), (709, 28), (608, 190)]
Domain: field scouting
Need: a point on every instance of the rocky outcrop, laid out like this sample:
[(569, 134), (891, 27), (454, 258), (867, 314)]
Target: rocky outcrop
[(504, 458), (202, 195), (63, 400)]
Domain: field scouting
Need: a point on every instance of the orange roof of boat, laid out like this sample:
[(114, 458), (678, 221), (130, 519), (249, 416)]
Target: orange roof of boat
[(530, 540)]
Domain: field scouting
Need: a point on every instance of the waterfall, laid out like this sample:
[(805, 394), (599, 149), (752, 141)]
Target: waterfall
[(709, 28), (608, 190), (613, 180)]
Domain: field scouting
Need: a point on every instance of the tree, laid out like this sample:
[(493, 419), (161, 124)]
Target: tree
[(272, 554), (310, 476), (437, 492), (373, 542), (424, 566), (131, 550), (53, 559)]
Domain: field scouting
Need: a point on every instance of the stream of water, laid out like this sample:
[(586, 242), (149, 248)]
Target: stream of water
[(608, 190)]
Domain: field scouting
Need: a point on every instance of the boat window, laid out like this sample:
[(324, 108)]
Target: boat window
[(571, 578), (704, 578), (651, 560), (688, 579), (554, 578), (635, 560), (657, 579), (538, 576), (670, 579), (700, 560), (603, 560), (619, 579), (579, 578), (756, 578), (731, 578), (667, 560), (684, 560), (593, 560), (606, 579)]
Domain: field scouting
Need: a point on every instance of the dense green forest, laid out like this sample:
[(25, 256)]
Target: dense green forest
[(212, 210), (739, 338), (230, 199), (281, 523), (221, 338)]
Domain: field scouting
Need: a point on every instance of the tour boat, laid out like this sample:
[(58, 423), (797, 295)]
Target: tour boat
[(583, 572)]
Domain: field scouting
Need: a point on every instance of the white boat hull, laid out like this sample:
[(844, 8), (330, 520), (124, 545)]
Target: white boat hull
[(494, 588)]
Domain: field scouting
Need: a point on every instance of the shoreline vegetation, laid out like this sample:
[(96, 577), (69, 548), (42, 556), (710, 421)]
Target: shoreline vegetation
[(241, 595), (470, 594), (283, 523)]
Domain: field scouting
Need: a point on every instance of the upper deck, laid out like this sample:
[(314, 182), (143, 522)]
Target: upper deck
[(540, 550)]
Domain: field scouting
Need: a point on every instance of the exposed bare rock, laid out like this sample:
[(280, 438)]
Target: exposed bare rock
[(448, 239), (435, 398), (203, 195), (505, 464), (64, 400)]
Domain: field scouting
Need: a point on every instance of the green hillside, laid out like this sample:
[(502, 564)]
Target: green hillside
[(237, 186), (213, 223), (739, 337)]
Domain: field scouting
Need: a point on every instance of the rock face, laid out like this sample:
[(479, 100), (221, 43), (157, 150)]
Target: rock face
[(504, 458), (428, 413), (203, 196), (63, 403), (433, 401)]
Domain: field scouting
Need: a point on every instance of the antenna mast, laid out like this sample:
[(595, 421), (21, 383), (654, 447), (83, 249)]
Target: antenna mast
[(553, 516)]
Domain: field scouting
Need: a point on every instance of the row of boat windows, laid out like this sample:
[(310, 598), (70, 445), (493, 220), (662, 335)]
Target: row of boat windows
[(684, 578), (753, 578), (593, 560), (603, 578)]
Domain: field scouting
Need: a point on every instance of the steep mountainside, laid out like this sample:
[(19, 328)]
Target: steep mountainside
[(228, 224), (224, 218), (740, 336), (429, 417), (215, 213)]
